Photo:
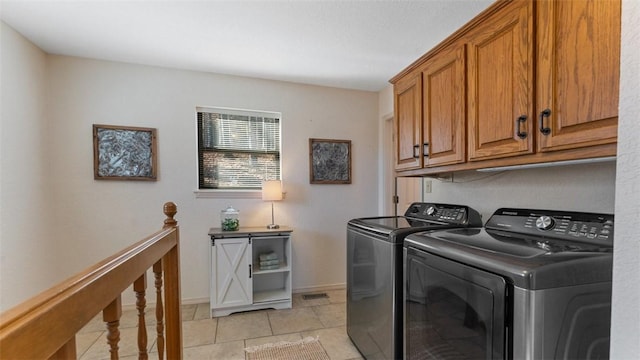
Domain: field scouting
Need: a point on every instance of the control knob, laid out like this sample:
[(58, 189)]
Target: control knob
[(545, 222), (431, 210)]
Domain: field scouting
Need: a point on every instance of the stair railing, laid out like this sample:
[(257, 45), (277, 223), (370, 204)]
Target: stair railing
[(45, 326)]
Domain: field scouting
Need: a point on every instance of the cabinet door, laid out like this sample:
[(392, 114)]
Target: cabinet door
[(500, 84), (443, 99), (408, 118), (231, 274), (578, 75)]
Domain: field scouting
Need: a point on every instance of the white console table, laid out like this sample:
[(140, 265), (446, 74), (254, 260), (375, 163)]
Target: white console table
[(237, 282)]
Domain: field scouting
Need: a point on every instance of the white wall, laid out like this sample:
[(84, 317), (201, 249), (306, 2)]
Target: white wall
[(89, 92), (586, 187), (27, 249), (385, 151), (625, 318), (94, 219)]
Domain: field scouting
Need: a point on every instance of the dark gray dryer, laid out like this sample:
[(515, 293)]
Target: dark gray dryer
[(532, 284), (374, 272)]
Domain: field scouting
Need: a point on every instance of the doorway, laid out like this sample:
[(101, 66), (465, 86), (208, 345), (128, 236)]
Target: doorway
[(408, 191)]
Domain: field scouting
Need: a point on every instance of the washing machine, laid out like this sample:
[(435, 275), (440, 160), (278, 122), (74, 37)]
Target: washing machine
[(374, 272)]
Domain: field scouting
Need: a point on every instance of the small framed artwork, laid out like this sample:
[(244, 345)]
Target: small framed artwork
[(329, 161), (124, 153)]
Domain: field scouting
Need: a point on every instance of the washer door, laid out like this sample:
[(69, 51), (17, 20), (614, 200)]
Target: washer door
[(452, 311)]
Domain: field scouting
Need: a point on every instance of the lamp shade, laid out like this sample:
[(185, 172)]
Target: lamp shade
[(271, 190)]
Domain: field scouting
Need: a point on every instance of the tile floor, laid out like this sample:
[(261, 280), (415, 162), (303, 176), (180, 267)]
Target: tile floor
[(226, 337)]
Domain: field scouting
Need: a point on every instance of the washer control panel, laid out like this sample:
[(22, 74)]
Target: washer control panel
[(565, 225), (446, 213)]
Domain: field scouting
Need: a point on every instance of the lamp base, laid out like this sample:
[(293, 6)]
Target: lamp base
[(273, 226)]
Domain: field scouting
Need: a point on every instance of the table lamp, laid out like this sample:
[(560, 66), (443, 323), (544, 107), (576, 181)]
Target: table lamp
[(272, 191)]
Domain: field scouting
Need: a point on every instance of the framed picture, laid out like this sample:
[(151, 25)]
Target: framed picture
[(329, 161), (124, 153)]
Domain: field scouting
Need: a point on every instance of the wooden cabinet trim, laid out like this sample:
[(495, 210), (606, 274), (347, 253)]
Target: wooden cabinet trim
[(578, 72), (592, 152), (578, 139), (407, 122), (444, 108), (500, 89)]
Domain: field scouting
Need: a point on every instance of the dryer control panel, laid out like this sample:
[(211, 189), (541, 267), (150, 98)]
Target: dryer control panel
[(565, 225), (447, 213)]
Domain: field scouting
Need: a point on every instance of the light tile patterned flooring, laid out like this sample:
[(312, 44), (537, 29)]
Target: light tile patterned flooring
[(226, 337)]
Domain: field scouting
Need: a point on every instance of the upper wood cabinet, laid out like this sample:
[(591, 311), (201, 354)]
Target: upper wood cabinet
[(578, 73), (430, 113), (408, 122), (443, 114), (526, 81), (500, 85)]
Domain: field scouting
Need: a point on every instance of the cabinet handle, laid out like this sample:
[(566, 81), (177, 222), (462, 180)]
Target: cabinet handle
[(544, 130), (416, 150), (249, 271), (519, 121), (425, 149)]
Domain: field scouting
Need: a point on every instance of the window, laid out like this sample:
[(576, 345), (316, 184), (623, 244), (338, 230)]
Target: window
[(237, 149)]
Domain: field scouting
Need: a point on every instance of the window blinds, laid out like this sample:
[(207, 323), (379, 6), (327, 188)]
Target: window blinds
[(237, 151)]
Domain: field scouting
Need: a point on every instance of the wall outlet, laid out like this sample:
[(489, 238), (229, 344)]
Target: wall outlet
[(426, 186)]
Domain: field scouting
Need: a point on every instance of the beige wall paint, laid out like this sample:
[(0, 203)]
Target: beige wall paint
[(97, 218), (586, 187), (385, 150), (90, 92), (28, 251)]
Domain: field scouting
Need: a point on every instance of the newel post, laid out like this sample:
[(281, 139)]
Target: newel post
[(172, 295), (170, 210)]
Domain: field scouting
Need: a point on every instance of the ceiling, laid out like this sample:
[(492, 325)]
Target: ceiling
[(356, 44)]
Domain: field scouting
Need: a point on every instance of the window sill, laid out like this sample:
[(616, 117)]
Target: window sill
[(228, 194)]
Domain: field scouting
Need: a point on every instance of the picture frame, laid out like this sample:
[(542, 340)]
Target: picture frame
[(124, 153), (329, 161)]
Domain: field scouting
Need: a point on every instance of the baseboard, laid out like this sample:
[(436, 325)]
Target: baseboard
[(201, 300), (194, 301), (319, 288)]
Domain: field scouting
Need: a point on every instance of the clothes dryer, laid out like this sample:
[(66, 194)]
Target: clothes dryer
[(531, 284)]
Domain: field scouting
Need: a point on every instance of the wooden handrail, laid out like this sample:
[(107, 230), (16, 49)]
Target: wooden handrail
[(45, 326)]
